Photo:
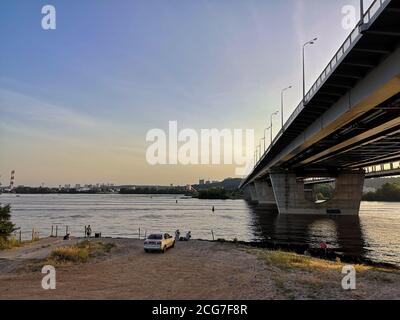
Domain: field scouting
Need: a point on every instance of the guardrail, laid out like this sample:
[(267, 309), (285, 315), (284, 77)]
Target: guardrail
[(384, 167)]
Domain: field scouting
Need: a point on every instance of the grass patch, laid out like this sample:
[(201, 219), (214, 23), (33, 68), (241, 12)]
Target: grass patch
[(80, 253), (286, 260), (6, 244)]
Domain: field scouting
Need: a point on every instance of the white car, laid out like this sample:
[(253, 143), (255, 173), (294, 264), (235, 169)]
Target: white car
[(159, 242)]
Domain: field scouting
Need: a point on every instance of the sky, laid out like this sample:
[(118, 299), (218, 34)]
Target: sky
[(77, 102)]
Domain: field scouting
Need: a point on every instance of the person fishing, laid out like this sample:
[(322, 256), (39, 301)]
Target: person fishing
[(177, 235)]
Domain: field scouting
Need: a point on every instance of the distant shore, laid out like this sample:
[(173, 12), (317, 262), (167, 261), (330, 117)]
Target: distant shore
[(191, 270)]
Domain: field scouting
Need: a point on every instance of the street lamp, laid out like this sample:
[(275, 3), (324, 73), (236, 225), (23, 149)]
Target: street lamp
[(304, 72), (273, 114), (282, 92), (265, 137), (264, 142)]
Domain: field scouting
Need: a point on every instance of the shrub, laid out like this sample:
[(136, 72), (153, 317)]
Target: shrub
[(70, 254), (6, 226)]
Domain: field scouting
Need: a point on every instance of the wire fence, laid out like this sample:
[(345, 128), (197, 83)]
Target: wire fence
[(61, 231)]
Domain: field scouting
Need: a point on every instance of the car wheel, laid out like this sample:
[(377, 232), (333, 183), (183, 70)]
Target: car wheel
[(164, 250), (173, 244), (145, 250)]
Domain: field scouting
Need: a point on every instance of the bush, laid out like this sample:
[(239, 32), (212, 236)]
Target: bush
[(388, 192), (70, 254), (213, 193), (81, 252), (6, 226)]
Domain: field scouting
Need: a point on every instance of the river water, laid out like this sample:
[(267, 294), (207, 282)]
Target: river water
[(373, 235)]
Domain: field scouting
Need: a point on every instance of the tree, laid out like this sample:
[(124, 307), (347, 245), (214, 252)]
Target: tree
[(6, 226)]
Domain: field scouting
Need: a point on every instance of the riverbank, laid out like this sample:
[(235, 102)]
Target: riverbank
[(191, 270)]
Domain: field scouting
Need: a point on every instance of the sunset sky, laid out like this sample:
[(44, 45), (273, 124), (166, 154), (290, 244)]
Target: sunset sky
[(76, 102)]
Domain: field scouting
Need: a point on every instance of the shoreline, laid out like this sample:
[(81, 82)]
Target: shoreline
[(197, 269)]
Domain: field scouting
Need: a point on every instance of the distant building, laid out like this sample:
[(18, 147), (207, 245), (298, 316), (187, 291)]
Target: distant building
[(208, 182), (67, 186), (201, 181), (77, 186), (215, 182)]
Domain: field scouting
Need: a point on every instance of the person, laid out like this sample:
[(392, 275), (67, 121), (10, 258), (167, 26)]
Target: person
[(177, 234), (188, 236), (88, 231)]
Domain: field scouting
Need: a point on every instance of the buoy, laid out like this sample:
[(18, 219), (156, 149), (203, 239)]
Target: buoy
[(213, 209)]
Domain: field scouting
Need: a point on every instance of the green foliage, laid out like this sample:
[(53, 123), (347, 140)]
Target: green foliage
[(324, 191), (213, 193), (388, 192), (6, 226)]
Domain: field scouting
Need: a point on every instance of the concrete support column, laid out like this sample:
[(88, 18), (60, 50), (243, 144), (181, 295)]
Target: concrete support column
[(291, 198), (265, 194), (251, 190)]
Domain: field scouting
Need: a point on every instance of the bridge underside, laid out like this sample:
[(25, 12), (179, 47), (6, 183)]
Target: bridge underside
[(288, 193)]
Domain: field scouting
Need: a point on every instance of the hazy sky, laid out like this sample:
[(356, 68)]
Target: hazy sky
[(76, 102)]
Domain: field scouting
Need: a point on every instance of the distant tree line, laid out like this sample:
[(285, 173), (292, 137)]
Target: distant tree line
[(389, 192), (219, 193), (153, 191)]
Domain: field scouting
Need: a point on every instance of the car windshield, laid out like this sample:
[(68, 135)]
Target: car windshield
[(155, 237)]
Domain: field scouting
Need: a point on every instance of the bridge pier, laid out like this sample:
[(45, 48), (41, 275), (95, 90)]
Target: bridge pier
[(265, 194), (291, 198)]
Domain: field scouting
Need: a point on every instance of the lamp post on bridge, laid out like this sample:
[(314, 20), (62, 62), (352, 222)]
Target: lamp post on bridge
[(264, 143), (265, 138), (282, 104), (273, 114), (311, 42), (259, 153)]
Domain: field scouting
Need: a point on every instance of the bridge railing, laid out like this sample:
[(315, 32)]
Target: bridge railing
[(383, 167)]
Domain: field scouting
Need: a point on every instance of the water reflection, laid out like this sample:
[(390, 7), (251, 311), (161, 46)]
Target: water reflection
[(343, 233)]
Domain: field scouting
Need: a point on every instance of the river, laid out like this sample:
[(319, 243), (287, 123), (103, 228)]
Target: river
[(373, 235)]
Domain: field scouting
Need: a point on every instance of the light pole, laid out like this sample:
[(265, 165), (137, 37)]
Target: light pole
[(259, 153), (304, 71), (273, 114), (282, 92), (265, 137), (264, 142)]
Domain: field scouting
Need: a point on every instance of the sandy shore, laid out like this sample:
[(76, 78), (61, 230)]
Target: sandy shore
[(191, 270)]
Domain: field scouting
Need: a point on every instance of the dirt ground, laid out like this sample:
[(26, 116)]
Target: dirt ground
[(191, 270)]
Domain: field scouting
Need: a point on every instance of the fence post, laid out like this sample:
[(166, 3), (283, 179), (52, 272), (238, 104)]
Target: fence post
[(212, 233), (66, 230), (56, 231), (145, 234), (20, 236), (33, 233), (52, 227), (139, 233)]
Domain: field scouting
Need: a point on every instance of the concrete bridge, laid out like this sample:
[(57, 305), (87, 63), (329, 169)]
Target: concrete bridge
[(349, 121)]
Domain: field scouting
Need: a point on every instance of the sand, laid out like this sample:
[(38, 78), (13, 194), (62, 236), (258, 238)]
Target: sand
[(191, 270)]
